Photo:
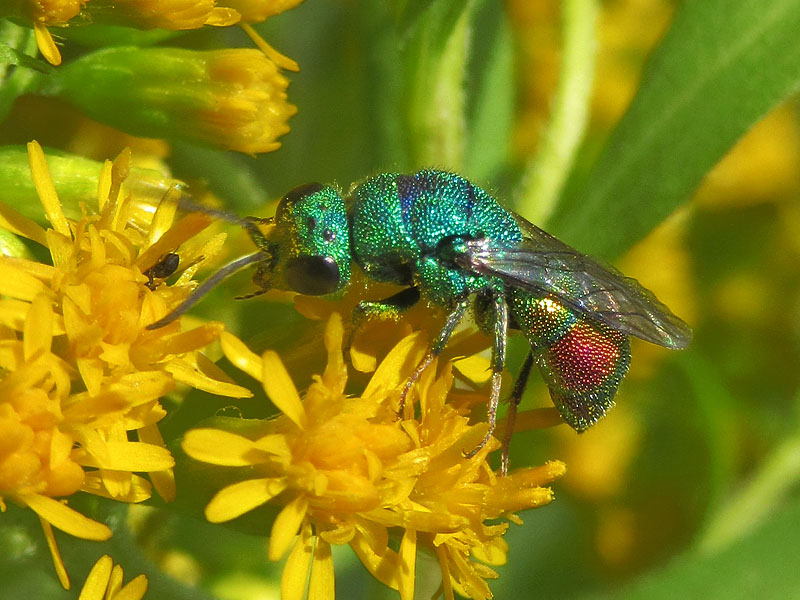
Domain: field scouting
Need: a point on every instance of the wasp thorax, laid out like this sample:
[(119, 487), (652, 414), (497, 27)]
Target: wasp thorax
[(312, 241)]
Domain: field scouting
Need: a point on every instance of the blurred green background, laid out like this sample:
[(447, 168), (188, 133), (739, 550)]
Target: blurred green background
[(680, 162)]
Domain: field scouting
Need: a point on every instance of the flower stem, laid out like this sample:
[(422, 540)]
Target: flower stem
[(545, 174), (777, 476)]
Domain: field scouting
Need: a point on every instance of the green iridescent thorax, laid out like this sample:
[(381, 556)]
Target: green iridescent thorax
[(400, 223), (311, 233)]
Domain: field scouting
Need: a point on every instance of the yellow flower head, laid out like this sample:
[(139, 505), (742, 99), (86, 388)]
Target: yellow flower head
[(80, 369), (162, 14), (346, 470), (230, 98)]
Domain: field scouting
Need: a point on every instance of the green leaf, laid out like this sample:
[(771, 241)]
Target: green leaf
[(17, 49), (435, 61), (763, 565), (719, 69), (492, 95)]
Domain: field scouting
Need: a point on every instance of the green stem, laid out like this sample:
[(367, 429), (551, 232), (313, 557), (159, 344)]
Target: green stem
[(545, 174), (777, 476)]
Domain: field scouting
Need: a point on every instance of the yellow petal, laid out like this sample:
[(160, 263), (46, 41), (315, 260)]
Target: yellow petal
[(92, 371), (164, 215), (221, 448), (62, 250), (14, 313), (117, 483), (17, 283), (408, 561), (285, 527), (280, 388), (114, 582), (164, 481), (476, 368), (222, 16), (363, 362), (21, 225), (97, 580), (134, 590), (275, 444), (104, 185), (444, 564), (322, 584), (58, 563), (397, 365), (47, 45), (284, 62), (195, 338), (239, 498), (186, 373), (44, 183), (126, 456), (384, 567), (335, 375), (187, 227), (295, 572), (66, 519), (240, 355), (38, 333), (139, 488)]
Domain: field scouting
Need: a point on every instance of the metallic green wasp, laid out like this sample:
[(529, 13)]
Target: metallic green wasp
[(452, 245)]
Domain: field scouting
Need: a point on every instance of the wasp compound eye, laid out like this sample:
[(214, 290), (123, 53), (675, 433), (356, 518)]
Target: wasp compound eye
[(286, 205), (313, 275)]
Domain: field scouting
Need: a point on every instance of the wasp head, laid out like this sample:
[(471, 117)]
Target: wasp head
[(309, 244)]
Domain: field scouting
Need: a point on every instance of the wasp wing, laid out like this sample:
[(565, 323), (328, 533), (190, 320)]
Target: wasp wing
[(543, 264)]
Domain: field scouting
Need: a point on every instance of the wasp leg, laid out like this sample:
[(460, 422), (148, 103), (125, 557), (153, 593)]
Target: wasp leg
[(380, 310), (513, 404), (453, 319), (500, 334), (388, 308), (250, 224)]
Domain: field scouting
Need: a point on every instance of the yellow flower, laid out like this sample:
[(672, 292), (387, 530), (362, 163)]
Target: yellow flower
[(255, 11), (79, 368), (173, 15), (231, 98), (105, 582), (162, 14), (44, 13), (346, 470)]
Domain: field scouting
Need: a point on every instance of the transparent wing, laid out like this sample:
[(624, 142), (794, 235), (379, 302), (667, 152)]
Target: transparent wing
[(541, 263)]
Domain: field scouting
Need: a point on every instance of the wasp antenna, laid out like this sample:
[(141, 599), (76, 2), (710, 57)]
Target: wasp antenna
[(189, 204), (208, 285)]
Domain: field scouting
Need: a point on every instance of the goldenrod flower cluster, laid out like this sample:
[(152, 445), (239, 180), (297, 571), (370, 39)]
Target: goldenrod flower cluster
[(81, 373), (80, 403)]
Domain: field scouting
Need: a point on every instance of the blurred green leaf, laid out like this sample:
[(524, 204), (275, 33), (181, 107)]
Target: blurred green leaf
[(434, 99), (763, 565), (547, 171), (720, 68), (492, 93), (17, 49)]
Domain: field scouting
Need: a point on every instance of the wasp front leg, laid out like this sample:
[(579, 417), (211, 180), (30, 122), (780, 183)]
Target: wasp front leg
[(453, 319), (388, 309)]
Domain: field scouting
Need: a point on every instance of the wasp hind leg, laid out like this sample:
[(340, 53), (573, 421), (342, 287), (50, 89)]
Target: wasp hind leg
[(513, 404)]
